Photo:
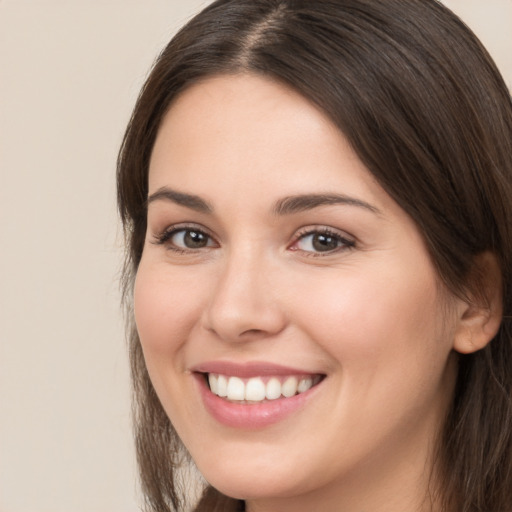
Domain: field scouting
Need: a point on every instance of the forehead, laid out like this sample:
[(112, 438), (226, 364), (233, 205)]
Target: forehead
[(229, 110), (241, 133)]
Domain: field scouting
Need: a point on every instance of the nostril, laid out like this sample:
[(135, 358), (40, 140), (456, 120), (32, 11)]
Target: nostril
[(250, 332)]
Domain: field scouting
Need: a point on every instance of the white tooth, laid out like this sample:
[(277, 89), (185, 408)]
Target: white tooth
[(289, 387), (255, 390), (236, 389), (273, 389), (305, 384), (222, 386), (212, 380)]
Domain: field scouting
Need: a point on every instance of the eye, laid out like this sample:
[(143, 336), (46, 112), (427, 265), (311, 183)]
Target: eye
[(185, 239), (190, 239), (321, 241)]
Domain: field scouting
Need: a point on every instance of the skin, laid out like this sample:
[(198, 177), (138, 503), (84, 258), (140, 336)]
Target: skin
[(370, 315)]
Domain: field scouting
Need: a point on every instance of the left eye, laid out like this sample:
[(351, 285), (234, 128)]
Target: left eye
[(318, 242)]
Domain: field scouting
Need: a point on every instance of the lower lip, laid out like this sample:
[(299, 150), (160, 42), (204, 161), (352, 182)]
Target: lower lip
[(251, 416)]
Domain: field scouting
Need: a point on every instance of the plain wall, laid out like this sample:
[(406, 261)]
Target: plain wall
[(70, 71)]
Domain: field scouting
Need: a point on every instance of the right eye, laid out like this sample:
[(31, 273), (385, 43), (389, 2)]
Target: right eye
[(185, 239), (190, 239)]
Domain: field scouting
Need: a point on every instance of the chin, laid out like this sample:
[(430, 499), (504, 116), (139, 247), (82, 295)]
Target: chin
[(256, 481), (249, 488)]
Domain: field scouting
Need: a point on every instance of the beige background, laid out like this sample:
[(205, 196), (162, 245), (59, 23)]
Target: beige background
[(69, 74)]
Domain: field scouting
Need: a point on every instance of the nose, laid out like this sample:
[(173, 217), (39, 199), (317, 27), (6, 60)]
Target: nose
[(244, 302)]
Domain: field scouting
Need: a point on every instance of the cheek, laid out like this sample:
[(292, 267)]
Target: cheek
[(164, 311), (373, 318), (388, 346)]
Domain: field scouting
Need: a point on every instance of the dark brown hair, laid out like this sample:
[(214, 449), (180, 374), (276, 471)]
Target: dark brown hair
[(426, 110)]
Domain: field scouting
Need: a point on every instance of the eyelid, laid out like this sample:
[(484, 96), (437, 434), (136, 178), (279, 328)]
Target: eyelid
[(348, 241), (163, 237)]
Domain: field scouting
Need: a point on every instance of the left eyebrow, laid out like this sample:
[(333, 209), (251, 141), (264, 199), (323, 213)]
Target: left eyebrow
[(301, 203)]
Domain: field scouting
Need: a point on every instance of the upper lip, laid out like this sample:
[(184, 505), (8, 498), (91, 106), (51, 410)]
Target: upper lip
[(249, 369)]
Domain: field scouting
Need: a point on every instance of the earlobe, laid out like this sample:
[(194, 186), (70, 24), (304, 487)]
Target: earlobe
[(480, 319)]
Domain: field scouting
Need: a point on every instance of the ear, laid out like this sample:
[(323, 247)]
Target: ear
[(480, 317)]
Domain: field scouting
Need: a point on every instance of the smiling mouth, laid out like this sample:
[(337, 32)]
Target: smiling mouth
[(256, 390)]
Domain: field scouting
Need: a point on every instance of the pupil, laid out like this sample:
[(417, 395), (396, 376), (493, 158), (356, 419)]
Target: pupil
[(195, 240), (324, 243)]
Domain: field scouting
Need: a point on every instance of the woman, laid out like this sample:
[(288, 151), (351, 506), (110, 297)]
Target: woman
[(318, 208)]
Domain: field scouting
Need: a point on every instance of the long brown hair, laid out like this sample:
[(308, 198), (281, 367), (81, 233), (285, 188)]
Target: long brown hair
[(426, 110)]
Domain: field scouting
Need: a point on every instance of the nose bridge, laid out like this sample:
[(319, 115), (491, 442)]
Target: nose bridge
[(242, 304)]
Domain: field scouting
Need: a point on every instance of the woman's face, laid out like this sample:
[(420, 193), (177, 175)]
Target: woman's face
[(275, 266)]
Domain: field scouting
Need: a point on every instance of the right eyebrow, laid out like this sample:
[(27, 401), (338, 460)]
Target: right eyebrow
[(188, 200)]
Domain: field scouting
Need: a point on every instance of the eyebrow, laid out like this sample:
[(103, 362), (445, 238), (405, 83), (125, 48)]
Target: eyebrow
[(301, 203), (188, 200), (285, 206)]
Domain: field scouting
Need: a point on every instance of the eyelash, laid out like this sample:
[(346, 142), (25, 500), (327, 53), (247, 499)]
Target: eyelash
[(165, 236), (344, 243)]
